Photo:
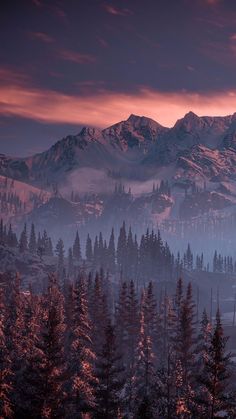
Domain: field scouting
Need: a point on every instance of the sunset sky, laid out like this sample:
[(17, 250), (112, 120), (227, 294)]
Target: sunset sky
[(65, 64)]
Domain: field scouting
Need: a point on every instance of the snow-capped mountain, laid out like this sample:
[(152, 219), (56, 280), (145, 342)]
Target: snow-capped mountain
[(205, 146), (196, 149)]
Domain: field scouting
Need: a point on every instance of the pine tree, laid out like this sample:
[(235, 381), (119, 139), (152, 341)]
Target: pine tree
[(76, 248), (11, 238), (111, 252), (23, 243), (215, 374), (70, 264), (121, 317), (15, 338), (89, 250), (82, 356), (99, 314), (145, 370), (121, 249), (132, 322), (32, 240), (150, 316), (109, 374), (96, 254), (5, 365), (51, 343), (185, 345), (60, 255), (30, 380)]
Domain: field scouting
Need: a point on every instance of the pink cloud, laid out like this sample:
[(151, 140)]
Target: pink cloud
[(76, 57), (106, 107), (116, 11), (11, 77), (41, 36)]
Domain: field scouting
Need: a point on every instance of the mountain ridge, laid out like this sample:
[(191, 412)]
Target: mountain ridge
[(137, 140)]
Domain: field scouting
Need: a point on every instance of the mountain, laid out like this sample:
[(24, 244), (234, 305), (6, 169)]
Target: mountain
[(135, 132), (137, 151), (136, 141)]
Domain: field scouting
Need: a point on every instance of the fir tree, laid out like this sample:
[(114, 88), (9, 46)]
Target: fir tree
[(82, 356), (109, 374), (145, 370), (89, 250), (51, 343), (70, 264), (60, 255), (32, 240), (215, 374), (76, 248), (5, 365), (121, 249), (111, 253), (23, 243)]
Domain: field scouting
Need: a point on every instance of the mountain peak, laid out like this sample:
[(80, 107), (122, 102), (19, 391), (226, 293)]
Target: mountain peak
[(141, 120), (190, 116)]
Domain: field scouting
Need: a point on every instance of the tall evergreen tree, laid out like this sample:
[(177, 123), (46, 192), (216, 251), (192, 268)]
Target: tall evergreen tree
[(23, 243), (145, 370), (89, 250), (185, 350), (109, 374), (82, 356), (60, 251), (111, 252), (99, 314), (32, 240), (121, 249), (51, 343), (215, 374), (70, 263), (5, 365), (76, 248)]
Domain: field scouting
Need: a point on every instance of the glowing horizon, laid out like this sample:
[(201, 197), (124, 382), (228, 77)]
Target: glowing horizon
[(107, 108)]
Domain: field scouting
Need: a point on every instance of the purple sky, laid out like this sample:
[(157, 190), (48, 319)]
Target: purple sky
[(65, 64)]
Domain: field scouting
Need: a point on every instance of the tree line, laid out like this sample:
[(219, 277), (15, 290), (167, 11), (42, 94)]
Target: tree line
[(133, 258)]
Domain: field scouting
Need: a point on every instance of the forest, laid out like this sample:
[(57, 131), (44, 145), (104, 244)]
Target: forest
[(99, 339), (78, 351)]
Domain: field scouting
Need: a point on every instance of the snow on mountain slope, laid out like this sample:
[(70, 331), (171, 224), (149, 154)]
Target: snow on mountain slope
[(24, 191), (192, 130), (202, 162), (18, 198), (136, 131), (138, 148)]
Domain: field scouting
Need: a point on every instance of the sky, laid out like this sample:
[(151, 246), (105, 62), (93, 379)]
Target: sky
[(66, 64)]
